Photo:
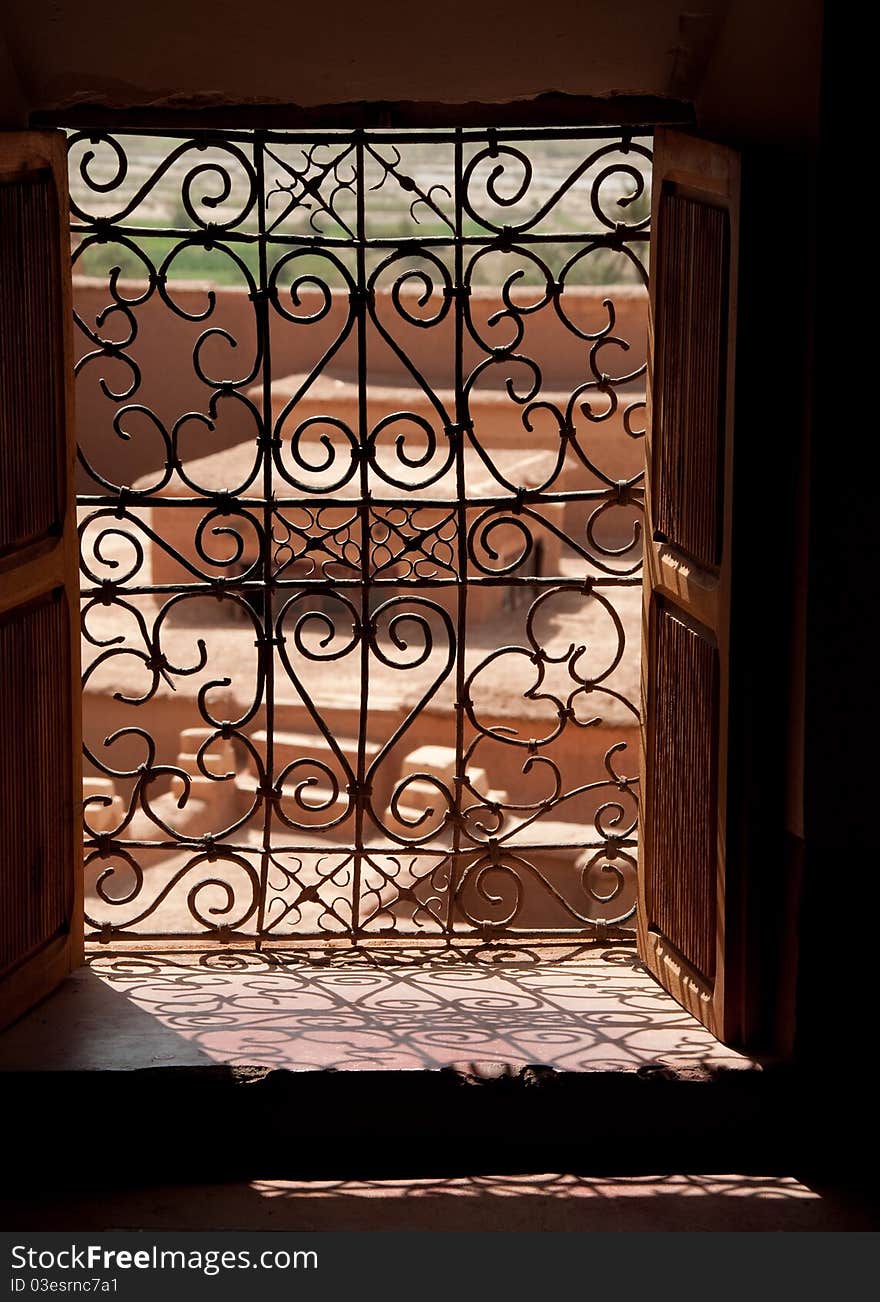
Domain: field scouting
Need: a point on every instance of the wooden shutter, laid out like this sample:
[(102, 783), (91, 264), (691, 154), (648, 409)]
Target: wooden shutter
[(689, 930), (40, 767)]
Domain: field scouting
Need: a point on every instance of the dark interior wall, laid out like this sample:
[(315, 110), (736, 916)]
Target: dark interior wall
[(762, 79), (840, 721), (761, 91), (13, 106), (783, 82), (296, 53)]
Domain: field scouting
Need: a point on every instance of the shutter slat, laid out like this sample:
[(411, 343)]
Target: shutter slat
[(35, 895), (685, 797), (40, 725), (31, 350), (689, 376)]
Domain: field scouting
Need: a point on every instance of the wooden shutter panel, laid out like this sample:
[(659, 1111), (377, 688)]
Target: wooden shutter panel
[(40, 767), (689, 932)]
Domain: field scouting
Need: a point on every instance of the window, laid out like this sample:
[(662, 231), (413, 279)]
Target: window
[(361, 468), (372, 553)]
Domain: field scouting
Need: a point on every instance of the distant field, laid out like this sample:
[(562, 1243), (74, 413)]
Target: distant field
[(310, 198)]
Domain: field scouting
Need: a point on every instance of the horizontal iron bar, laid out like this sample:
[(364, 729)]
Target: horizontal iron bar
[(330, 501), (386, 848), (256, 586), (363, 938), (601, 238), (547, 117)]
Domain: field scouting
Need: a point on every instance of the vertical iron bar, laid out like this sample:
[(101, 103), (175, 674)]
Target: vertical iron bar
[(364, 514), (266, 651), (461, 518)]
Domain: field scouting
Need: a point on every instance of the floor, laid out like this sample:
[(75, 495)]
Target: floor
[(611, 1040), (545, 1201), (589, 1010)]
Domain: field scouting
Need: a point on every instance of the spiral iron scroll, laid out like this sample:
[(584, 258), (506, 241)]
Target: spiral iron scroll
[(356, 663)]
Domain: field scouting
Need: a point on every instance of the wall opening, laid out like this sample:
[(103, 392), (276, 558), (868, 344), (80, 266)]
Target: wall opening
[(360, 489)]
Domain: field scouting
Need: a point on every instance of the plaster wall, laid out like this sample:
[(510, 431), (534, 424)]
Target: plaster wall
[(761, 84), (224, 52), (163, 350)]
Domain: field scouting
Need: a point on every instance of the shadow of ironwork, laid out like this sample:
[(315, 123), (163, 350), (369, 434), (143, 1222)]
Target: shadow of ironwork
[(492, 1010)]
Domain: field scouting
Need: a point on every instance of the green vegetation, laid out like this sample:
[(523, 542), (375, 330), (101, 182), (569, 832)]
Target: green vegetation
[(214, 266), (389, 218)]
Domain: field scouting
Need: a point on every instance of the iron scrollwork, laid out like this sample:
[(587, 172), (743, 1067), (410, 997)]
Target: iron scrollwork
[(359, 559)]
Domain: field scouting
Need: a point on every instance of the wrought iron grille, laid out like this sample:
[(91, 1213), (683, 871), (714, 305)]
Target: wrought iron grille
[(359, 510)]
